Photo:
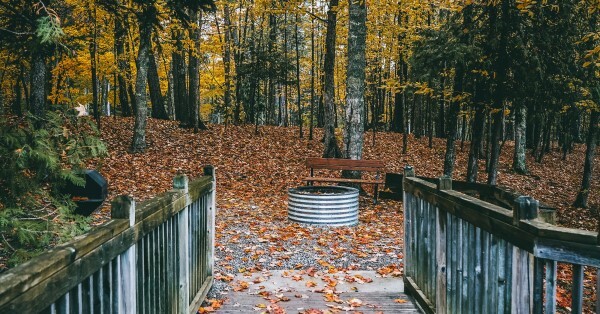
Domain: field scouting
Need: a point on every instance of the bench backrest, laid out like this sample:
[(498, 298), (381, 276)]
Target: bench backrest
[(345, 164)]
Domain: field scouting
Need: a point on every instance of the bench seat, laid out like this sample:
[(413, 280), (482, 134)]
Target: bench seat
[(376, 166), (343, 180)]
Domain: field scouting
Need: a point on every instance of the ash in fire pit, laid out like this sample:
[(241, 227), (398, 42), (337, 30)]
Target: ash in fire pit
[(323, 205)]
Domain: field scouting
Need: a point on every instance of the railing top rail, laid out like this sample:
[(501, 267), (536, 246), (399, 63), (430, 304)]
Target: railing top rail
[(77, 259), (539, 238)]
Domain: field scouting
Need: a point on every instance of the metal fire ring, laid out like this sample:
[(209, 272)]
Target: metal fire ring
[(323, 205)]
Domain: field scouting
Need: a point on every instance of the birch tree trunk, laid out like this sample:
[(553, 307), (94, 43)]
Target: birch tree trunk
[(355, 81), (332, 149)]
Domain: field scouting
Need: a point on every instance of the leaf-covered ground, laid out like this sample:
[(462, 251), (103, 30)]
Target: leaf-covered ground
[(254, 171)]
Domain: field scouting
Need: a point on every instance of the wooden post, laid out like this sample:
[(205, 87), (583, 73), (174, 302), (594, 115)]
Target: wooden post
[(538, 285), (407, 221), (525, 207), (444, 183), (180, 182), (408, 172), (123, 207), (212, 209), (577, 297)]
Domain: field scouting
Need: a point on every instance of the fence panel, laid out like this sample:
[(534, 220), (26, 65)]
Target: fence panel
[(463, 255), (156, 258)]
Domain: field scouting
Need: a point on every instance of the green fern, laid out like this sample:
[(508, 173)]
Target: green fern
[(34, 165)]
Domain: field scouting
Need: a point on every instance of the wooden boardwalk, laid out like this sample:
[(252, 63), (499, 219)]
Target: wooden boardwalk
[(299, 292)]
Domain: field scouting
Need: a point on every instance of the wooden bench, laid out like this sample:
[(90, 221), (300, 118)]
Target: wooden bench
[(376, 166)]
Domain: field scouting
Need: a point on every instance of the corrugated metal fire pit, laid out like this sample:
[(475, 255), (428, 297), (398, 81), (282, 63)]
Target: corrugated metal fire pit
[(323, 205)]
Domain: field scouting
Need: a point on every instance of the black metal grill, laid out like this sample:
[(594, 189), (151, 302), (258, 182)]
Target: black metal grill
[(91, 196)]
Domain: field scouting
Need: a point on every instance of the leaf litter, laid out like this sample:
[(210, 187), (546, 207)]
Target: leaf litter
[(254, 172)]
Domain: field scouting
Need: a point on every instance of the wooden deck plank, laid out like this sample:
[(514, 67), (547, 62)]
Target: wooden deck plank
[(371, 302), (284, 289)]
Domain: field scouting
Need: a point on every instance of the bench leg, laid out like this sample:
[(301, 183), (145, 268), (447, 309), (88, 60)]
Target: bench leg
[(375, 194)]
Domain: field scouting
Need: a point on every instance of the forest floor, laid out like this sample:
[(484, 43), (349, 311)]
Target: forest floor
[(254, 171)]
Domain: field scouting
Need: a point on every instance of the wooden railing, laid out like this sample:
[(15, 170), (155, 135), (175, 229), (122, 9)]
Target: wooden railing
[(463, 255), (156, 257)]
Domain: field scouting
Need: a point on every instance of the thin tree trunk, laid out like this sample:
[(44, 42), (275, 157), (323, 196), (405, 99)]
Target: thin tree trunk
[(312, 75), (138, 144), (271, 97), (38, 81), (441, 131), (156, 97), (122, 66), (406, 125), (519, 161), (476, 141), (104, 96), (298, 91), (171, 93), (331, 148), (588, 169), (194, 75), (227, 58), (94, 68), (179, 81), (17, 108), (500, 92)]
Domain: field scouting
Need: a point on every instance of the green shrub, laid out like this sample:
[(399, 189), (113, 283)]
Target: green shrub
[(37, 158)]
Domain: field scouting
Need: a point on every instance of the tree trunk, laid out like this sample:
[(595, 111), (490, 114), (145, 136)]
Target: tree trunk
[(271, 95), (171, 93), (500, 93), (495, 148), (355, 86), (227, 60), (104, 96), (588, 169), (180, 95), (94, 69), (298, 91), (122, 67), (332, 149), (476, 141), (441, 130), (138, 144), (285, 72), (519, 161), (156, 97), (312, 75), (17, 107), (38, 83), (452, 127), (194, 75)]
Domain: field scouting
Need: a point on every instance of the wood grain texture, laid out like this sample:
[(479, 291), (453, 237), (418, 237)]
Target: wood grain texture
[(97, 270)]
